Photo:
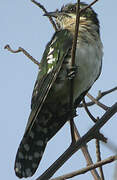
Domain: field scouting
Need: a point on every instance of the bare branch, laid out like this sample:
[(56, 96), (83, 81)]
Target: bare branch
[(97, 102), (20, 49), (72, 64), (91, 4), (45, 11), (88, 112), (83, 140), (88, 168), (98, 153), (100, 95), (86, 154)]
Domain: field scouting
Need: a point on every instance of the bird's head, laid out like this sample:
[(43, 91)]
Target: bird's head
[(66, 17)]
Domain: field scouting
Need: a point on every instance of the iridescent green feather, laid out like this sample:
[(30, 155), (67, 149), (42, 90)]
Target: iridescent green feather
[(61, 43)]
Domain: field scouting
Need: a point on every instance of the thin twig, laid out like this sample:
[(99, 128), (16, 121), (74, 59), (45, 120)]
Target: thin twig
[(91, 4), (45, 11), (97, 102), (100, 95), (98, 153), (73, 52), (88, 112), (98, 136), (83, 140), (20, 49), (88, 168), (86, 154)]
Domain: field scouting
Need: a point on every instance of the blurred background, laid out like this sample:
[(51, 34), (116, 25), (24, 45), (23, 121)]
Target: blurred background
[(23, 24)]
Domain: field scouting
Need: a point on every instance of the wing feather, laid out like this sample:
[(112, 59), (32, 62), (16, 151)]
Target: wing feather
[(62, 43)]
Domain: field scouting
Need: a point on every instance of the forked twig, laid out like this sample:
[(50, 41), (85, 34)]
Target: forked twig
[(98, 136), (100, 95), (88, 112), (97, 102), (20, 49)]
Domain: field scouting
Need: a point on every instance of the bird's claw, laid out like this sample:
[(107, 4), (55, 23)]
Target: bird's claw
[(71, 72)]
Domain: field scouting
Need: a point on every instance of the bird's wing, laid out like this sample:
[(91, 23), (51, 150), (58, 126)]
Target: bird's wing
[(53, 57)]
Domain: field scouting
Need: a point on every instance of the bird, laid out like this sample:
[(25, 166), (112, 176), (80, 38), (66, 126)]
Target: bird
[(50, 98)]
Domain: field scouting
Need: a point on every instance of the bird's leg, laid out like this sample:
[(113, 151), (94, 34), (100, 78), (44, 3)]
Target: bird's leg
[(72, 131), (72, 71), (72, 114)]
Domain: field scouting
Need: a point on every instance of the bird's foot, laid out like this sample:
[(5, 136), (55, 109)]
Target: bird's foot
[(71, 72)]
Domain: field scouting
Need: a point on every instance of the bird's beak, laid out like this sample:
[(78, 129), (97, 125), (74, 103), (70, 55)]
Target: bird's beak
[(53, 14)]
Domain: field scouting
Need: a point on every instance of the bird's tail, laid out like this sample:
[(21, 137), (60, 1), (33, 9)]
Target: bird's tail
[(33, 144), (30, 151)]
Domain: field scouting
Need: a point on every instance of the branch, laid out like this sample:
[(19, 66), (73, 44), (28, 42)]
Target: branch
[(75, 147), (91, 4), (97, 102), (88, 112), (86, 154), (88, 168), (73, 52), (20, 49), (45, 11), (100, 95), (98, 153)]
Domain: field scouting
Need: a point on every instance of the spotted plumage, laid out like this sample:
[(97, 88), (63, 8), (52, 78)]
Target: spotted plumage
[(50, 98)]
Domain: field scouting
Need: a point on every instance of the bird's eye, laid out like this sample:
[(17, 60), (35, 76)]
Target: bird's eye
[(72, 9)]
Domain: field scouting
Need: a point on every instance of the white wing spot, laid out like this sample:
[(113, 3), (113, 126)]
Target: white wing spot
[(51, 59), (50, 69), (51, 50)]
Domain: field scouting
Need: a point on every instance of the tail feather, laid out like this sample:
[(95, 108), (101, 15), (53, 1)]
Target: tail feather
[(30, 152), (33, 144)]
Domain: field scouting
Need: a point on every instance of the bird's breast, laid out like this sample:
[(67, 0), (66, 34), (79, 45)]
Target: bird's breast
[(88, 60)]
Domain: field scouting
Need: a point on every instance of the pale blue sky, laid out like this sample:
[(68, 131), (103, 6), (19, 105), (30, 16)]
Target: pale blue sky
[(22, 24)]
